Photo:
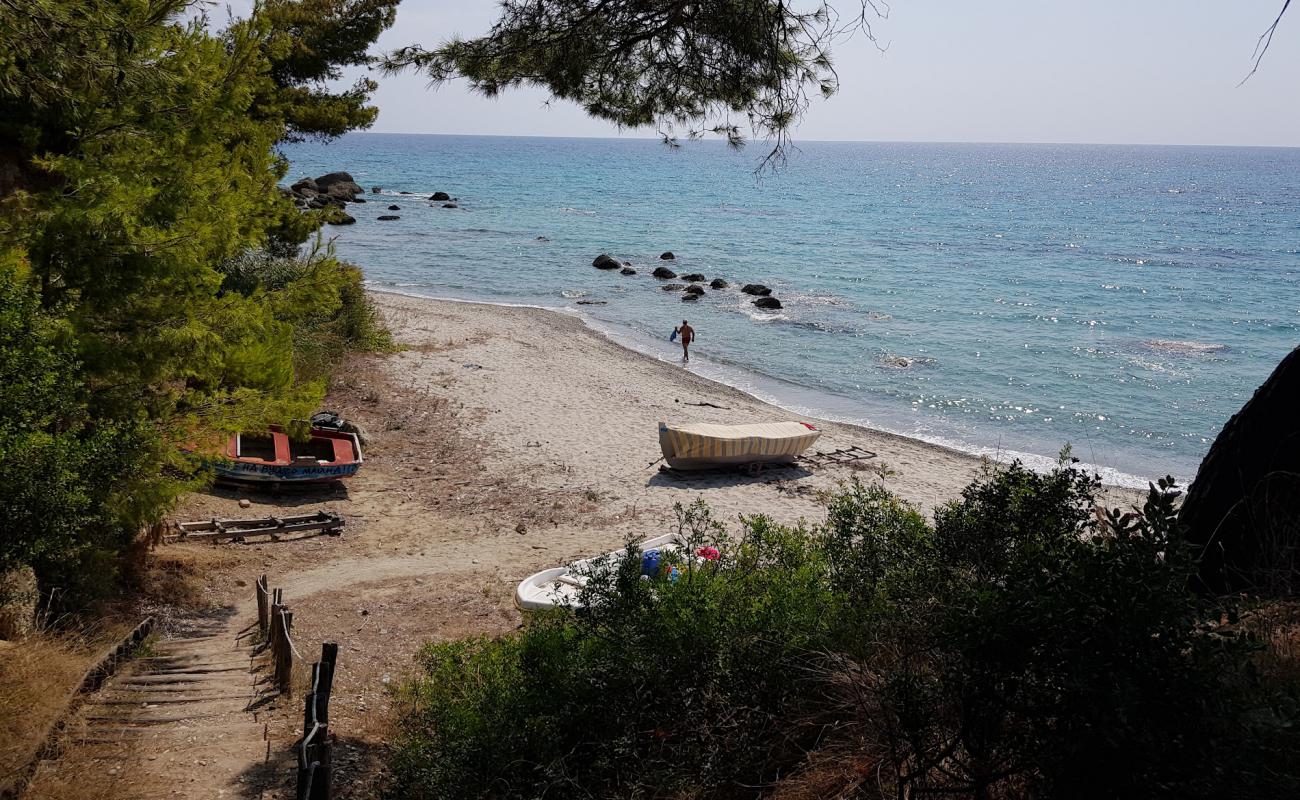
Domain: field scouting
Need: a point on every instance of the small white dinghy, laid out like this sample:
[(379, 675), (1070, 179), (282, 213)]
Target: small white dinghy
[(560, 585)]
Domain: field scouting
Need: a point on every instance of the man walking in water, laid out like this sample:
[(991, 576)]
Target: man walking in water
[(688, 335)]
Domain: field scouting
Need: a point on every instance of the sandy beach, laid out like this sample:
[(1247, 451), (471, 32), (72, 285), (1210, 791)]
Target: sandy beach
[(565, 408), (500, 441)]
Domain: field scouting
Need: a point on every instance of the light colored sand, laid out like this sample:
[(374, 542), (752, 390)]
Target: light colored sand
[(569, 408)]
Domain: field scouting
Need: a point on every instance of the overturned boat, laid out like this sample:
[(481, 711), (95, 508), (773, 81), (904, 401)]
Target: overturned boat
[(273, 457), (707, 446)]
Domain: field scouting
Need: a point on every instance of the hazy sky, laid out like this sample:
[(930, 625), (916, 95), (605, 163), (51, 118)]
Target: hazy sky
[(1131, 71)]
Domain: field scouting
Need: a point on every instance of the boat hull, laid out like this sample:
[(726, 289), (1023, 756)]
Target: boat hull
[(694, 447), (556, 587), (272, 458), (244, 472)]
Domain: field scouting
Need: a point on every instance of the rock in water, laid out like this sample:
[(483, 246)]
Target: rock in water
[(358, 199), (695, 290), (694, 277), (18, 602), (387, 217), (394, 208), (439, 196), (757, 289), (718, 283), (673, 287), (768, 302), (690, 297), (306, 184), (340, 218), (604, 261), (627, 271), (664, 273), (1243, 509), (376, 189), (450, 205), (668, 256), (338, 185)]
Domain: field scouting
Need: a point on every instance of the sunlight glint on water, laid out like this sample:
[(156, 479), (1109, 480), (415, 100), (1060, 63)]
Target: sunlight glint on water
[(1010, 298)]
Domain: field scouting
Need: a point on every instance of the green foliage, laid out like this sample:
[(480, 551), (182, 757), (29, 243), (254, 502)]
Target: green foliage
[(1022, 645), (657, 62), (309, 42), (67, 483), (137, 157)]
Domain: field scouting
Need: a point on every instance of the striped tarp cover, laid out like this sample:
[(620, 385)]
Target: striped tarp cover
[(733, 443)]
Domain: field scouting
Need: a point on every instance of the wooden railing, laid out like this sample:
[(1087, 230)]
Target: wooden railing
[(314, 749), (275, 621)]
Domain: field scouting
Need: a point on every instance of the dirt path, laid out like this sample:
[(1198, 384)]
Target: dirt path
[(179, 721)]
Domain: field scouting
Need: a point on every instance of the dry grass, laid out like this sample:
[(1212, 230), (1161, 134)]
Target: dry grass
[(36, 677)]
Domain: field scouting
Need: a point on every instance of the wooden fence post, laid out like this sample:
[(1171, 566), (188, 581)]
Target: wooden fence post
[(284, 671), (274, 639), (263, 605), (314, 750)]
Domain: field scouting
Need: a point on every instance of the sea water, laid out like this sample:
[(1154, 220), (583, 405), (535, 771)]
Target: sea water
[(1002, 299)]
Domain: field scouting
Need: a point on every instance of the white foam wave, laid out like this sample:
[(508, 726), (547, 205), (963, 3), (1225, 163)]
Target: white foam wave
[(1183, 347)]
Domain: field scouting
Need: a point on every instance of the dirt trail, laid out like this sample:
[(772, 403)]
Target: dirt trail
[(180, 721)]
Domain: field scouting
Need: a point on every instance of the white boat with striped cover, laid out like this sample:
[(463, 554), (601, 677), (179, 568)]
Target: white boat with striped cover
[(707, 446)]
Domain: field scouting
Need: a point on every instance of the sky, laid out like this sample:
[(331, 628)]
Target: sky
[(1106, 71)]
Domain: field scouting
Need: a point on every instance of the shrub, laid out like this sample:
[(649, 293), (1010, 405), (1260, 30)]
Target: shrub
[(1025, 644)]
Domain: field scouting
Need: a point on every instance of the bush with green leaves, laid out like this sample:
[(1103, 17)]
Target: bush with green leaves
[(1024, 644)]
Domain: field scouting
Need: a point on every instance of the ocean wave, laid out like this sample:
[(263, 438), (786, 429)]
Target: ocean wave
[(578, 211), (573, 293), (1183, 347)]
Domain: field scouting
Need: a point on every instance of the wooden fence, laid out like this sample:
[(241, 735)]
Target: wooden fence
[(275, 621), (314, 749)]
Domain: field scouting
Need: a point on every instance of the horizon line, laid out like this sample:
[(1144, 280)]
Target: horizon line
[(796, 142)]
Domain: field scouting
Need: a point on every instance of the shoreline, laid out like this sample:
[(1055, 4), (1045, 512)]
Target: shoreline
[(977, 454)]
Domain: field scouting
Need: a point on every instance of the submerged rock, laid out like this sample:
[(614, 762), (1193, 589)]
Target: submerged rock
[(440, 196), (695, 290), (668, 256), (756, 289), (376, 189), (394, 208), (673, 287), (664, 273), (358, 200), (450, 205), (1243, 509), (768, 302), (690, 297), (694, 277), (718, 283), (386, 217), (605, 261), (627, 271)]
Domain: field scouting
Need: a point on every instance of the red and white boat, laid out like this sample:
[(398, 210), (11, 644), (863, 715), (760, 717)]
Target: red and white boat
[(273, 457)]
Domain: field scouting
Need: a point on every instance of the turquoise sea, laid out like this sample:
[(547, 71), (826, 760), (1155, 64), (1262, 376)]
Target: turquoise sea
[(1003, 299)]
